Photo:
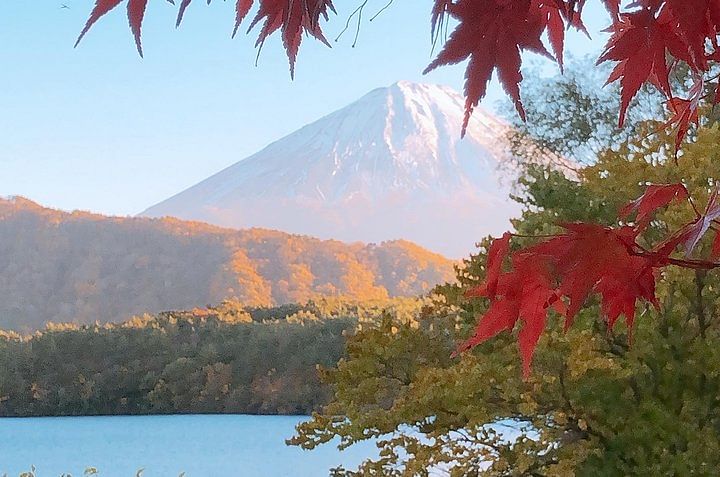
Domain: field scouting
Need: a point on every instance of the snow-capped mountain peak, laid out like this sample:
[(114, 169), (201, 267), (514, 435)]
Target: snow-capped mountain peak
[(390, 165)]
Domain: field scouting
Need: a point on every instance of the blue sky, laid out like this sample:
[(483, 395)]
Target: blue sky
[(98, 128)]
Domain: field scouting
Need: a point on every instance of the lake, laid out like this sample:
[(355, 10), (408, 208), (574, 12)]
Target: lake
[(165, 446)]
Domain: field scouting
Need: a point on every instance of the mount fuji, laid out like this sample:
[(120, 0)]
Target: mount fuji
[(391, 165)]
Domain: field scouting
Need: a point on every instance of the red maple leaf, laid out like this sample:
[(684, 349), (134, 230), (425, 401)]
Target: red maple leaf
[(583, 256), (556, 32), (184, 4), (558, 14), (664, 249), (612, 6), (523, 294), (639, 44), (492, 34), (696, 21), (496, 254), (691, 233), (631, 279), (655, 197), (537, 294), (685, 112), (101, 8), (697, 230), (293, 18), (135, 13), (242, 8), (586, 259)]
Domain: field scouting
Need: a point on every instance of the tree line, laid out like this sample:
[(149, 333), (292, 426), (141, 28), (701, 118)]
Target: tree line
[(224, 359)]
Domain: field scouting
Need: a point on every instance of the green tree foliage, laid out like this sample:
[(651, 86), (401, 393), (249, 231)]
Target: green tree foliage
[(82, 267), (595, 404), (573, 117), (227, 359)]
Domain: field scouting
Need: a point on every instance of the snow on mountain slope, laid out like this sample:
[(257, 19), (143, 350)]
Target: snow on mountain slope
[(391, 165)]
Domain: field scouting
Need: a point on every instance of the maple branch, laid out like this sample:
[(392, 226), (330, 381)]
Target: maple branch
[(690, 263), (614, 347), (700, 305), (713, 78), (382, 10), (358, 11), (692, 203), (563, 389), (639, 251), (439, 24), (694, 264)]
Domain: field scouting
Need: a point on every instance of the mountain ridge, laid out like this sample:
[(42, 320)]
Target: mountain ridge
[(390, 165), (81, 267)]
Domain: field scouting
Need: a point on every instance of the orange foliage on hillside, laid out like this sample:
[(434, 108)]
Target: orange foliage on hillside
[(81, 267)]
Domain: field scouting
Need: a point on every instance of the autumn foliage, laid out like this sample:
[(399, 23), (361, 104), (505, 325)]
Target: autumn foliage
[(108, 268), (561, 272), (292, 17)]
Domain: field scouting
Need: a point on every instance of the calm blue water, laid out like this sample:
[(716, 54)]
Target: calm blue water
[(165, 446)]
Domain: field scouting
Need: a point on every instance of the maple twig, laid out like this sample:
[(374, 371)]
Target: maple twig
[(713, 78), (438, 29), (663, 127), (358, 11), (679, 262), (445, 31), (692, 203), (563, 389), (357, 28), (382, 10), (699, 305)]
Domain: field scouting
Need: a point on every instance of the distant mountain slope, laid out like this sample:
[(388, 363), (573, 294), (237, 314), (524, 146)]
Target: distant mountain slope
[(81, 267), (391, 165)]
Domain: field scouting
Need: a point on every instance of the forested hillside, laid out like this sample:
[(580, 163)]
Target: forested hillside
[(82, 268), (226, 359)]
